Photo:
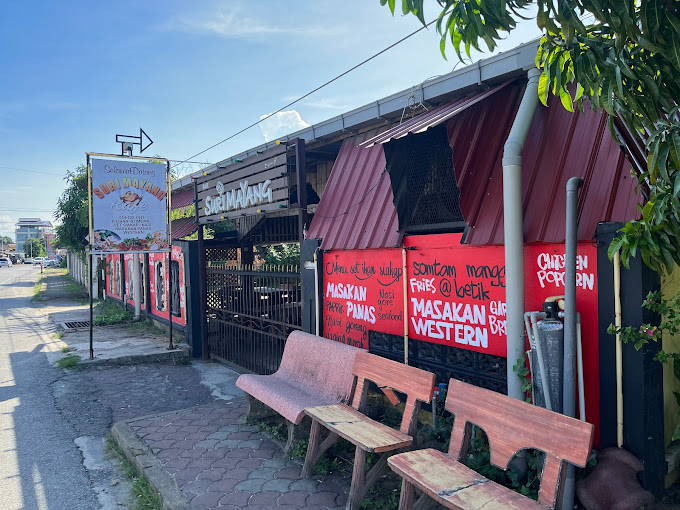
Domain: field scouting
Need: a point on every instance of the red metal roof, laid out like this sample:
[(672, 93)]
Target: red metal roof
[(560, 145), (183, 227), (182, 198), (356, 210), (432, 118)]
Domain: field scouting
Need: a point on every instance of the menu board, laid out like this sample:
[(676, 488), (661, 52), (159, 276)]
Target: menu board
[(455, 294), (363, 291)]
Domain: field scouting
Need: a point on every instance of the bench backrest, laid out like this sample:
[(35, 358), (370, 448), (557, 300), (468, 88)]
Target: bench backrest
[(321, 365), (512, 425), (415, 383)]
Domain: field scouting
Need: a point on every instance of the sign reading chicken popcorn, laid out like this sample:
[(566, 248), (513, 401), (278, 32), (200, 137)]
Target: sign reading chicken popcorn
[(129, 206)]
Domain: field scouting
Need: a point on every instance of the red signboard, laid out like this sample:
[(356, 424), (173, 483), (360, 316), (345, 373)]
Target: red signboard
[(455, 295), (363, 290)]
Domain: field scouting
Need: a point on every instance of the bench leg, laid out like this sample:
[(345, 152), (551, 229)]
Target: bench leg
[(424, 502), (316, 448), (296, 433), (257, 410), (406, 496), (361, 481), (356, 490)]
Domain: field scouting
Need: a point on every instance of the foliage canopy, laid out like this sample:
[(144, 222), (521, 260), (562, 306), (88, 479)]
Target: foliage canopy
[(72, 212), (624, 57), (34, 247)]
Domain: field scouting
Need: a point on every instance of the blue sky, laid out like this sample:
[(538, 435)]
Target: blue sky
[(74, 74)]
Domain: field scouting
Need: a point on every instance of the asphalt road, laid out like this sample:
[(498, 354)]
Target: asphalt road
[(40, 465)]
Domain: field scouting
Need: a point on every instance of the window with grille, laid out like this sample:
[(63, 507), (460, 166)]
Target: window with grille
[(174, 275), (426, 194)]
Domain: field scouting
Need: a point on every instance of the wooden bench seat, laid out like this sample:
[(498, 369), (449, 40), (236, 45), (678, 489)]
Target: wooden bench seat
[(359, 429), (510, 426), (314, 371), (364, 433), (455, 485)]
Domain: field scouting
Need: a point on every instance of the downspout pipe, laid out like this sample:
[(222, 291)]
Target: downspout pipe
[(513, 230), (569, 379)]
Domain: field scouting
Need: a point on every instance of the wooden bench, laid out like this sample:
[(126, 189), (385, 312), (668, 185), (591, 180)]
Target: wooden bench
[(313, 371), (364, 433), (510, 426)]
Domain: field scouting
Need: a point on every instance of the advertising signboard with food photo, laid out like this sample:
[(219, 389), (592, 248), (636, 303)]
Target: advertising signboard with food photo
[(129, 206)]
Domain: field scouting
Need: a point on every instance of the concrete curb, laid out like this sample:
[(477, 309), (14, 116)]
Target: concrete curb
[(181, 352), (146, 462)]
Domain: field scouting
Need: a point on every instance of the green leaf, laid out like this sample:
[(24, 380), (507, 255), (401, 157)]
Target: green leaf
[(565, 97), (663, 158), (676, 186), (614, 246)]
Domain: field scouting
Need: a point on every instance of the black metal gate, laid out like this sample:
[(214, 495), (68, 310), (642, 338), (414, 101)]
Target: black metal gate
[(251, 310)]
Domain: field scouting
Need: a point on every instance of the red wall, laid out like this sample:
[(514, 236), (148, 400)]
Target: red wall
[(153, 258), (112, 271), (163, 258), (129, 276), (455, 296)]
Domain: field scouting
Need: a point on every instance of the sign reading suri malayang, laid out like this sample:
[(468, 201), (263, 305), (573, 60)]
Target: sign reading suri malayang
[(129, 206), (455, 294), (257, 184)]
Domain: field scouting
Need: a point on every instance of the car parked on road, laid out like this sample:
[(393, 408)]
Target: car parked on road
[(5, 262), (38, 260), (51, 263)]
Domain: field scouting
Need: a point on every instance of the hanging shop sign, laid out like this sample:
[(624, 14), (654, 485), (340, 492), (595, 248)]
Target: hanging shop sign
[(258, 184), (455, 294), (129, 206)]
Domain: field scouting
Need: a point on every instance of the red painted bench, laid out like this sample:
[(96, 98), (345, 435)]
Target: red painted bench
[(510, 426), (364, 433), (314, 371)]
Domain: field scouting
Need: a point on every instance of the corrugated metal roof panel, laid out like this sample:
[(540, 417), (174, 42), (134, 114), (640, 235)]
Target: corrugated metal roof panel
[(182, 198), (560, 145), (357, 210), (183, 227), (432, 118)]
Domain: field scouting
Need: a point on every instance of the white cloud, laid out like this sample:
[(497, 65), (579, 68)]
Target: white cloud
[(281, 123), (6, 226), (233, 23)]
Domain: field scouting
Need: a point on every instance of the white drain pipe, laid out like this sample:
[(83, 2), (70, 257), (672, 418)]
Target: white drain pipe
[(514, 231)]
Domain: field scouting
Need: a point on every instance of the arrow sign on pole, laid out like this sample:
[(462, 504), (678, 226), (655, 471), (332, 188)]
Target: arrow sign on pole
[(127, 141)]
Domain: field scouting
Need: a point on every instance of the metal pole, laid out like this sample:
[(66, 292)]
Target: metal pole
[(514, 230), (89, 203), (169, 270), (568, 389), (202, 284), (169, 273)]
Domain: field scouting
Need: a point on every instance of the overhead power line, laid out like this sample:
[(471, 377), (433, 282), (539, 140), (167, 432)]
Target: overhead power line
[(309, 93), (31, 171)]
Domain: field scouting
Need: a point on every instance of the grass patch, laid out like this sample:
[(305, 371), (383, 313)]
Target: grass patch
[(381, 498), (69, 361), (36, 291), (65, 349), (146, 497), (109, 313), (58, 335), (146, 327), (273, 427), (73, 289)]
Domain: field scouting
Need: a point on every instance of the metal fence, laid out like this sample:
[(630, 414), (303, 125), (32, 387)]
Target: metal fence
[(251, 310), (445, 361)]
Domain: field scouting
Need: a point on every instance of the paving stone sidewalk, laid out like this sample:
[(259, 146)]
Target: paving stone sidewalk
[(220, 462)]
